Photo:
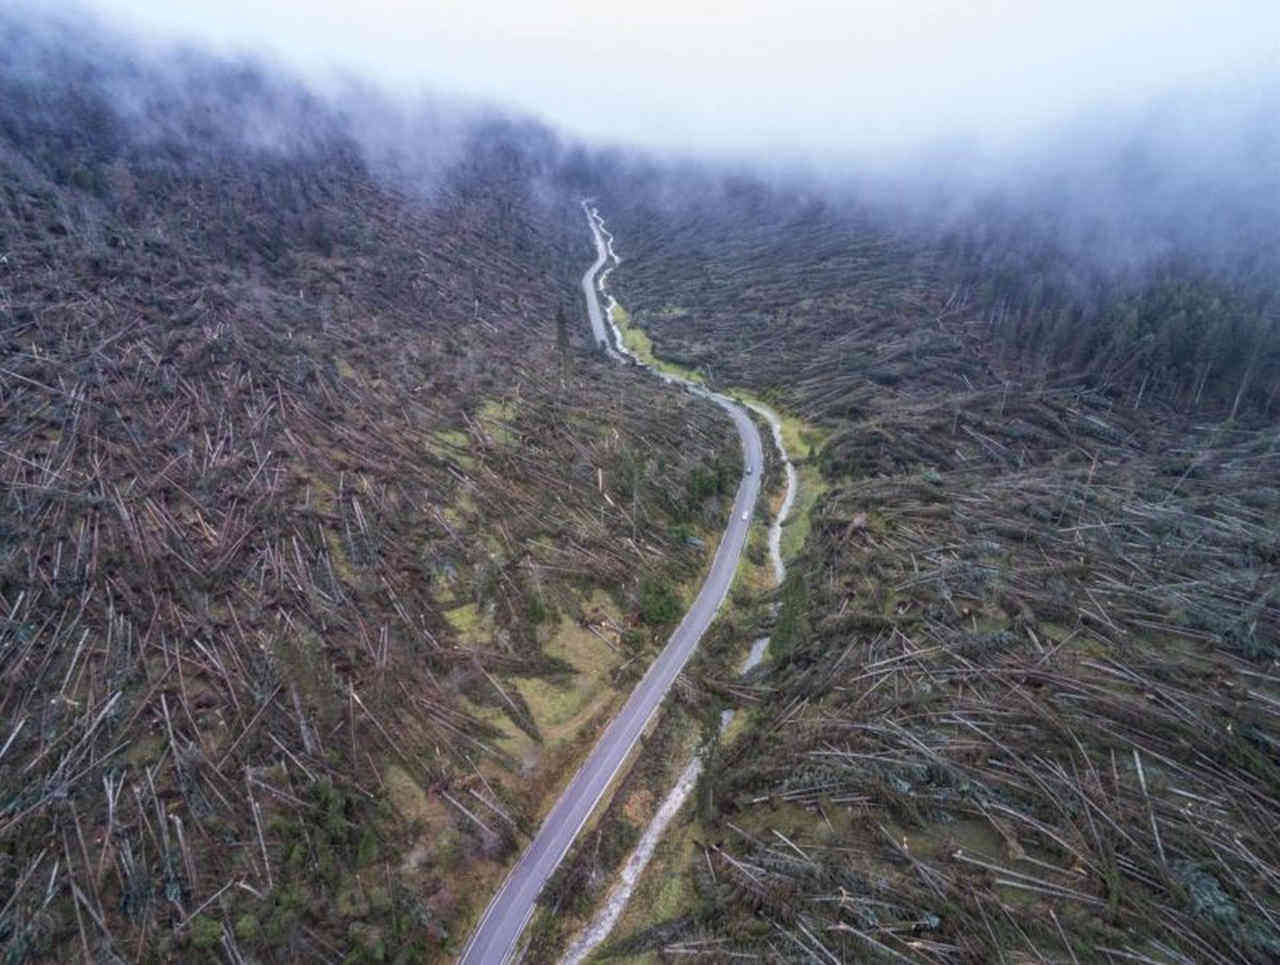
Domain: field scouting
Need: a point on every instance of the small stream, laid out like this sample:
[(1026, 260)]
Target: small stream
[(784, 511), (616, 902)]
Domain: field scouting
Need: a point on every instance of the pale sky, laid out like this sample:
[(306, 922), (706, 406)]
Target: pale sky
[(801, 79)]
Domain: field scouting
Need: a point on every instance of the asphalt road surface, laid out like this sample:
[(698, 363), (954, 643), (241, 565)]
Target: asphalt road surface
[(495, 937), (594, 312)]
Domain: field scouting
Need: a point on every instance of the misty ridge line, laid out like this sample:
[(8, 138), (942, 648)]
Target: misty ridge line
[(100, 94), (1188, 173), (1184, 188)]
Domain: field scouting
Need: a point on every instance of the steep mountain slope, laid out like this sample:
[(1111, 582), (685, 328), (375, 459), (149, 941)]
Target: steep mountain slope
[(818, 295), (326, 543), (1021, 699)]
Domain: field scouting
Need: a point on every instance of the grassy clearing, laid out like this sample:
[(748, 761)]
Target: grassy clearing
[(636, 340), (563, 708), (557, 703), (801, 439), (809, 489)]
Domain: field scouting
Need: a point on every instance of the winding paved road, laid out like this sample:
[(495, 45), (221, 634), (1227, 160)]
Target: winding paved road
[(594, 312), (495, 937)]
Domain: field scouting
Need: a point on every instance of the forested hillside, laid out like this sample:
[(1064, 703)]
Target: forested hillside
[(326, 541), (790, 287), (1022, 700)]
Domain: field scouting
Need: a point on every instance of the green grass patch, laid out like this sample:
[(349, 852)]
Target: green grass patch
[(452, 444), (556, 703), (496, 418), (560, 707), (637, 341), (810, 486), (463, 618), (801, 439)]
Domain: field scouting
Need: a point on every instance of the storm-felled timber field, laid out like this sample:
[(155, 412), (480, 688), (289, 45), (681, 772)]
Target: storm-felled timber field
[(326, 543), (1023, 689)]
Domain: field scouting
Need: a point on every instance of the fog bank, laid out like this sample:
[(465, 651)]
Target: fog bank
[(814, 80)]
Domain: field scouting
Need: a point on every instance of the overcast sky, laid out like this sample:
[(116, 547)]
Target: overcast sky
[(794, 80)]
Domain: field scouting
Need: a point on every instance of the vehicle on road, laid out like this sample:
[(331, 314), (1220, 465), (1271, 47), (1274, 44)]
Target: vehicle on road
[(746, 516)]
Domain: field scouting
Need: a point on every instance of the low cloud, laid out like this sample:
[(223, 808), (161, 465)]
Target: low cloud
[(799, 82)]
